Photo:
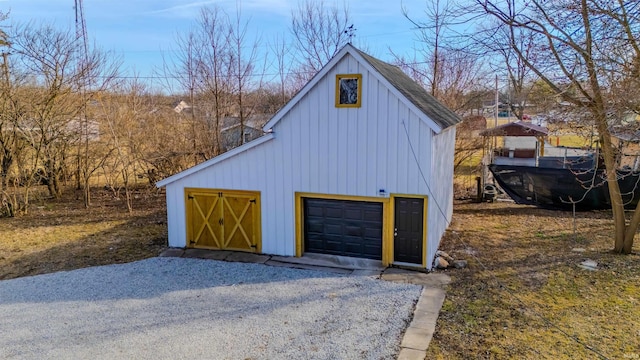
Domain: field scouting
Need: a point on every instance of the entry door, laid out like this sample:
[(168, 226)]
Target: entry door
[(219, 219), (408, 230)]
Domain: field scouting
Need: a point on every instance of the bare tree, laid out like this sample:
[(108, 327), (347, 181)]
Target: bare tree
[(495, 44), (127, 116), (520, 77), (542, 97), (185, 71), (8, 139), (201, 67), (242, 65), (218, 65), (280, 51), (50, 125), (12, 144), (9, 116), (591, 46), (161, 152), (431, 34), (214, 69), (318, 32), (451, 74), (459, 83)]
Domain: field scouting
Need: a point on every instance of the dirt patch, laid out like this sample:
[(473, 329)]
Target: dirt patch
[(524, 295)]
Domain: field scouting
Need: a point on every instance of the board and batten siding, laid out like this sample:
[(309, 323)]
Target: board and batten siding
[(441, 202), (318, 148)]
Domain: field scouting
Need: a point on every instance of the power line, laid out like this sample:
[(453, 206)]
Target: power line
[(495, 278), (261, 44), (258, 74), (159, 76)]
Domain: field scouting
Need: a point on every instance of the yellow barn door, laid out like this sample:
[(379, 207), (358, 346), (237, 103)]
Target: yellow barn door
[(223, 220)]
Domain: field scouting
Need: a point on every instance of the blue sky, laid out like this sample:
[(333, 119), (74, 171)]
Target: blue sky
[(141, 30)]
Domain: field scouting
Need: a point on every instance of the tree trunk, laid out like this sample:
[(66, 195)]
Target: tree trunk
[(127, 194), (598, 107), (617, 206), (631, 231), (50, 180), (86, 193)]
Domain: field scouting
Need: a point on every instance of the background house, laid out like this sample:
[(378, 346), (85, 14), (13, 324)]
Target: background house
[(233, 134), (358, 163)]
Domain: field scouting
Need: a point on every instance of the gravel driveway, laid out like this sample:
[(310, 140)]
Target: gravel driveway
[(177, 308)]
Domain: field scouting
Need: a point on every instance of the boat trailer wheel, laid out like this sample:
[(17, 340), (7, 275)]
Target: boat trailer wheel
[(490, 193)]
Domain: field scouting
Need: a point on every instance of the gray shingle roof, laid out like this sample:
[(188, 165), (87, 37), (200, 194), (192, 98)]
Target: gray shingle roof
[(519, 128), (415, 93)]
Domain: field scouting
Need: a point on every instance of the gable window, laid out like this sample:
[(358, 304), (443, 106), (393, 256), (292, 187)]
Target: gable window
[(348, 90)]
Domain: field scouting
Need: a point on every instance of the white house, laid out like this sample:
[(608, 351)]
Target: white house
[(359, 163)]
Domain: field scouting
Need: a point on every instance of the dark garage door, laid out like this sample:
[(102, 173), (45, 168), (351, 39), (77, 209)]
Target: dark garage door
[(343, 227)]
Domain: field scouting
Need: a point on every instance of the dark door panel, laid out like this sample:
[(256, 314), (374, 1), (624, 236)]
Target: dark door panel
[(409, 230), (343, 227)]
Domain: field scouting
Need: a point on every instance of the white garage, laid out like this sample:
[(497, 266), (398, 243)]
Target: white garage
[(359, 163)]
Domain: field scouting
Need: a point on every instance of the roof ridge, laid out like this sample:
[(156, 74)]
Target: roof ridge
[(412, 91)]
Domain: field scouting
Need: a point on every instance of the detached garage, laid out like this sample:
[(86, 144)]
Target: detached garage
[(359, 163)]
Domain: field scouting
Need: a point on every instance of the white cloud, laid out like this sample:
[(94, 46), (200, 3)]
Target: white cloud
[(282, 7), (183, 9), (279, 7)]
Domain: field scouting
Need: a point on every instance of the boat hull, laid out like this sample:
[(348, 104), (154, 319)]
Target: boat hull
[(560, 188)]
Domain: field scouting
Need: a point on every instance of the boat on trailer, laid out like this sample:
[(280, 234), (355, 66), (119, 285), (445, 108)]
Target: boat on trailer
[(553, 177)]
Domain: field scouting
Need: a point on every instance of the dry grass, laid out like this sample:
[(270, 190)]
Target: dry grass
[(569, 140), (62, 235), (531, 284), (533, 300)]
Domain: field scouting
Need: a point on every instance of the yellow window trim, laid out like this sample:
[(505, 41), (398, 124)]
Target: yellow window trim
[(358, 102), (388, 219)]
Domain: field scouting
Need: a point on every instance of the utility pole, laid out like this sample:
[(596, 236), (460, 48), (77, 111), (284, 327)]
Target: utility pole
[(496, 112), (82, 67), (81, 28), (495, 138), (5, 66), (7, 84)]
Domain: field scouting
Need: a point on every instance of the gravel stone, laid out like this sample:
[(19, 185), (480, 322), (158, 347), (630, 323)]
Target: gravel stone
[(180, 308)]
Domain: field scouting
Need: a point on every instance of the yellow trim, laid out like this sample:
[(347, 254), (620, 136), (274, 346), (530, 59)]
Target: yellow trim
[(188, 215), (387, 220), (299, 209), (257, 231), (256, 216), (387, 242), (426, 232), (425, 227), (341, 197), (349, 76)]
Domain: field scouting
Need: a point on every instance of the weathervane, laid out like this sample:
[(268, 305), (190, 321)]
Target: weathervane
[(350, 33)]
